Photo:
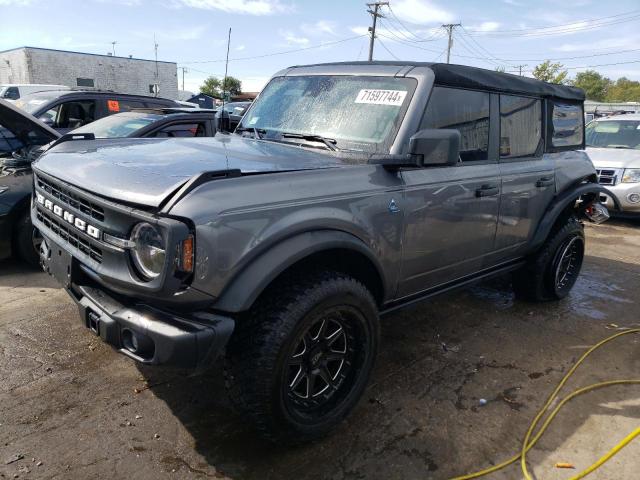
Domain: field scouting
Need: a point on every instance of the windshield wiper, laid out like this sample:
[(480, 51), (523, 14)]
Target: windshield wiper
[(329, 142), (257, 132)]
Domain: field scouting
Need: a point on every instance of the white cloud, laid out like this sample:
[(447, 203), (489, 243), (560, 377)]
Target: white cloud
[(19, 3), (421, 12), (245, 7), (319, 28), (292, 39), (620, 43), (485, 27), (239, 48), (515, 3)]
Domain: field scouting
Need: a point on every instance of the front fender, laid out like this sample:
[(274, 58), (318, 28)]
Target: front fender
[(248, 284), (565, 200)]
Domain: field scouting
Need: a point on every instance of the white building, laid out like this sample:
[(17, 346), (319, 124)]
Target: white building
[(87, 70)]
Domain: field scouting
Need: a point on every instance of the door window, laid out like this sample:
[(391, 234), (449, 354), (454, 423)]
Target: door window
[(520, 126), (182, 130), (466, 111), (71, 114), (567, 125)]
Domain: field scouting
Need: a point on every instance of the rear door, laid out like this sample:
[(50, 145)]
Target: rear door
[(452, 212), (528, 182)]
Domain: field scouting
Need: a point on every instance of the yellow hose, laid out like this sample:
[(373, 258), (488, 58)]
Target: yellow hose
[(528, 444)]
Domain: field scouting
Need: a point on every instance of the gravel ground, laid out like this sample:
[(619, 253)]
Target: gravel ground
[(70, 407)]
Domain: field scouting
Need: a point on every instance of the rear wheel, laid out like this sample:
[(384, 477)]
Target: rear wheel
[(552, 272), (27, 241), (301, 360)]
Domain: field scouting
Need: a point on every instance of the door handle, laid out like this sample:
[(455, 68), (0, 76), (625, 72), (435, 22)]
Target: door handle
[(545, 182), (488, 190)]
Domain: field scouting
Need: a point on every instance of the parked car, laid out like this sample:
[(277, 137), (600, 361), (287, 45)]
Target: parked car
[(66, 110), (613, 144), (230, 115), (14, 91), (347, 191), (23, 139), (154, 122)]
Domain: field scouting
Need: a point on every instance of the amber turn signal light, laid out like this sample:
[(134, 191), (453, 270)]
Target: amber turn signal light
[(186, 263)]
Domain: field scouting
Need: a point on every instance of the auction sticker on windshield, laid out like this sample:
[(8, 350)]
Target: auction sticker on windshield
[(381, 97)]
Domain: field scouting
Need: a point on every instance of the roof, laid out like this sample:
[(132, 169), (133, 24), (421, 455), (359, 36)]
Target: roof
[(106, 93), (83, 53), (464, 76)]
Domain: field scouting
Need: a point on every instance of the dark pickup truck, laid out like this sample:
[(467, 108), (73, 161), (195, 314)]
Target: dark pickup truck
[(347, 191)]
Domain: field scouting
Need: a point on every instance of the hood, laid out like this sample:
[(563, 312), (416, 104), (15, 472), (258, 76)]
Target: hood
[(614, 157), (27, 128), (145, 171)]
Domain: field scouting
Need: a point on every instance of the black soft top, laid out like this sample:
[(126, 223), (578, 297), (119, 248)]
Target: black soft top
[(463, 76)]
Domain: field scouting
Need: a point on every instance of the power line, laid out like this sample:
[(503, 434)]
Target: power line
[(546, 33), (593, 66), (388, 51), (273, 54), (418, 39), (531, 29)]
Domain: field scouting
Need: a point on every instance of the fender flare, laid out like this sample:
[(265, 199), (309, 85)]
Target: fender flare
[(245, 287), (561, 203)]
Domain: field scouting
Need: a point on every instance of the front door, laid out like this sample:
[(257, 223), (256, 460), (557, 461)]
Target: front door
[(451, 213)]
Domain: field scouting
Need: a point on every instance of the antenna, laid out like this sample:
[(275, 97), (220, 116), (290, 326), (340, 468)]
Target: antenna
[(224, 81)]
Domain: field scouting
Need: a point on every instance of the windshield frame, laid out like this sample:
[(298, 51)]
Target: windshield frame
[(593, 125), (386, 146)]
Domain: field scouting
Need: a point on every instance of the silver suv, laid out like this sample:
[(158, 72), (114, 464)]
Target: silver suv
[(613, 144), (346, 192)]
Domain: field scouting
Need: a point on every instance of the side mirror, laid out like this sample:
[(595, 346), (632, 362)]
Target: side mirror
[(46, 120), (436, 146)]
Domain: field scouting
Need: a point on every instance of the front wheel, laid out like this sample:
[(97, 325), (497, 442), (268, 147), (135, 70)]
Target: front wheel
[(301, 360), (552, 272), (27, 241)]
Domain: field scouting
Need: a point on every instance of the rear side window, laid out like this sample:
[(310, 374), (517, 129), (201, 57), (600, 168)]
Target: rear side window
[(568, 125), (466, 111), (11, 93), (182, 130), (520, 126), (128, 105)]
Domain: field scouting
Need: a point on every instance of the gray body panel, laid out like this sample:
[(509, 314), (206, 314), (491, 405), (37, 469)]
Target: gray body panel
[(421, 228)]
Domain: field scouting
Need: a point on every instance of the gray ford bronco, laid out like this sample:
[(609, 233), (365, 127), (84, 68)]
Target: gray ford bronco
[(347, 191)]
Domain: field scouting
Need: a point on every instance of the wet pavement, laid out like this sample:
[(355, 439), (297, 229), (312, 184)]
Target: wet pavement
[(73, 408)]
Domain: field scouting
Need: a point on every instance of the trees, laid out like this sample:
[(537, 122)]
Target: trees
[(595, 86), (624, 90), (213, 86), (551, 72)]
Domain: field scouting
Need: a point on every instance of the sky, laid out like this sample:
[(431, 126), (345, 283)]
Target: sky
[(268, 35)]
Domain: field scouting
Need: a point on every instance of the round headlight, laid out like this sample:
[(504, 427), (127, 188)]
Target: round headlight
[(149, 253)]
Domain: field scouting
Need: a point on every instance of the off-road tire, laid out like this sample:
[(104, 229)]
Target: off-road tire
[(23, 241), (258, 353), (537, 280)]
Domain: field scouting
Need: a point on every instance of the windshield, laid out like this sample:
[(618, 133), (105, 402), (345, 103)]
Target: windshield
[(119, 125), (614, 134), (35, 101), (360, 113)]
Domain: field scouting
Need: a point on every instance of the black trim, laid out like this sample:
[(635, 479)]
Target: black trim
[(193, 183), (411, 300)]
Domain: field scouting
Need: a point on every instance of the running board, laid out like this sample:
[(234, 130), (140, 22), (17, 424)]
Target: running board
[(411, 300)]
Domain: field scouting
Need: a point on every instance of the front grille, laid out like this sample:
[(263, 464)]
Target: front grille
[(71, 199), (607, 176), (68, 234)]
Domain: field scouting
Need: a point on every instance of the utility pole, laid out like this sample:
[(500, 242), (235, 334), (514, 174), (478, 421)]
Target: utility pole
[(184, 69), (113, 46), (450, 27), (376, 6), (520, 67)]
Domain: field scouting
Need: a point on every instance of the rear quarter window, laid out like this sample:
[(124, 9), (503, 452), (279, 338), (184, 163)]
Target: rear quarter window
[(567, 125)]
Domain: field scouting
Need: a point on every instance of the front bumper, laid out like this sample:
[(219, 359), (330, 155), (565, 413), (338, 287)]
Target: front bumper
[(145, 333), (622, 191)]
